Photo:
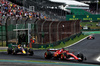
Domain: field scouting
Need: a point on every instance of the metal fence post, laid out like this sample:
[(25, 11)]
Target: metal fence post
[(37, 21), (6, 30), (26, 30), (74, 27), (16, 30), (1, 33), (42, 30), (58, 31), (50, 31), (37, 32)]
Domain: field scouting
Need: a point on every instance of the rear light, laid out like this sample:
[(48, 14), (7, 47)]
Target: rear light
[(90, 37)]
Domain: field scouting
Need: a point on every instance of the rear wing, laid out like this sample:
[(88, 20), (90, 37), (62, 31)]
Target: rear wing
[(12, 45), (52, 49)]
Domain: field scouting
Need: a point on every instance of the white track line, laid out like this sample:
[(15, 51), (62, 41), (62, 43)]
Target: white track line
[(98, 59), (76, 42)]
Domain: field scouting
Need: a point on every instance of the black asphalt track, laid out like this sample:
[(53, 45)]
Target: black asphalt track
[(90, 48)]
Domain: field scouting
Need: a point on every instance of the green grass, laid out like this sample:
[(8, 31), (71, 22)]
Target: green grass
[(31, 61), (85, 23), (3, 50), (41, 61), (92, 23), (70, 42)]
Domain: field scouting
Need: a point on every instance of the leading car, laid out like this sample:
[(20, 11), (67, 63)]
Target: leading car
[(90, 37), (63, 54)]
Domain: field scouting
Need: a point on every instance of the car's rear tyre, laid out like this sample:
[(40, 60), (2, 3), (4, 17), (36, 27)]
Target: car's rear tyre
[(93, 38), (61, 57), (87, 37), (80, 55), (9, 51), (48, 55), (31, 52)]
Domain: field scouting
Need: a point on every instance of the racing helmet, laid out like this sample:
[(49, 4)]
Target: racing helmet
[(63, 49), (19, 45)]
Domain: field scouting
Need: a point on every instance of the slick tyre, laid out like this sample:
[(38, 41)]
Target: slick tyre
[(15, 51), (47, 55), (87, 37), (80, 56), (9, 51), (93, 38), (61, 57), (31, 52)]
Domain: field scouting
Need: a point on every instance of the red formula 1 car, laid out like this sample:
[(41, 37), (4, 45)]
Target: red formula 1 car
[(90, 37), (63, 54)]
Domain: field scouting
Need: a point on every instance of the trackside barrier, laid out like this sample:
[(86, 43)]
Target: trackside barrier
[(55, 43), (42, 30), (90, 30), (51, 45)]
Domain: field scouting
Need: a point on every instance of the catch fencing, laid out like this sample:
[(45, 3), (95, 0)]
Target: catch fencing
[(43, 31)]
